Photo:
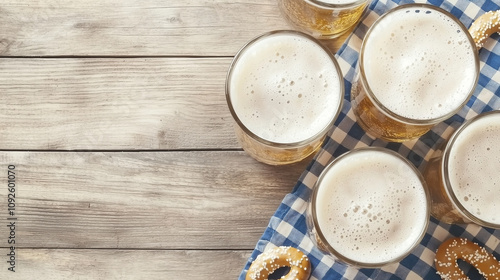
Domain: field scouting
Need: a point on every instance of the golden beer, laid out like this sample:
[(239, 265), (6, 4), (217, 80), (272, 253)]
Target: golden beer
[(276, 154), (375, 122), (370, 220), (442, 207), (323, 19), (463, 178), (284, 91), (418, 66)]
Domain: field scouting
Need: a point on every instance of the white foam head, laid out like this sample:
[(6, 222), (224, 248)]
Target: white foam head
[(474, 167), (285, 88), (371, 206), (420, 63)]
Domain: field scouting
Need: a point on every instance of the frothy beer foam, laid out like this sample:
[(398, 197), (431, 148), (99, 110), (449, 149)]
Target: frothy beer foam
[(420, 63), (285, 88), (371, 207), (473, 168)]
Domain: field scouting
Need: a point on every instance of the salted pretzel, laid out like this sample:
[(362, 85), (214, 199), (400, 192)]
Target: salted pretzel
[(460, 248), (484, 26), (271, 260)]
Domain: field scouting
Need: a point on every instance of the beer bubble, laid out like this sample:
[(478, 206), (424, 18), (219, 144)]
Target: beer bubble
[(444, 47), (366, 222)]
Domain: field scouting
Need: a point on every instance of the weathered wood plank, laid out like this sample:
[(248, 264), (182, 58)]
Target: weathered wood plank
[(131, 27), (144, 200), (66, 264), (139, 103), (134, 28)]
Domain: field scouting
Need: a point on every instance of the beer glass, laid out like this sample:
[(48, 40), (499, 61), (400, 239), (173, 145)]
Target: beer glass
[(323, 19), (284, 91), (370, 207), (464, 179), (418, 66)]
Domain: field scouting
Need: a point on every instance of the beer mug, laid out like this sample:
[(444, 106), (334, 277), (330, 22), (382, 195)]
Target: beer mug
[(323, 19), (284, 90), (369, 208), (464, 179), (418, 66)]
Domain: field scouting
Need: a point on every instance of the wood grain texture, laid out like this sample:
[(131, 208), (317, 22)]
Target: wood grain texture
[(73, 264), (143, 200), (133, 27), (146, 77), (115, 104), (123, 104)]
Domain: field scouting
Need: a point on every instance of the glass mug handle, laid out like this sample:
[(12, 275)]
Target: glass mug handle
[(484, 26)]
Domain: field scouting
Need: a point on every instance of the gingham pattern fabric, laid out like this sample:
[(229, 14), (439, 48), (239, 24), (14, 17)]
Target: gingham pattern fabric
[(287, 226)]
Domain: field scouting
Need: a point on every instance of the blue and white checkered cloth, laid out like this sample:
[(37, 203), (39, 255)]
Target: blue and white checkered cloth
[(287, 227)]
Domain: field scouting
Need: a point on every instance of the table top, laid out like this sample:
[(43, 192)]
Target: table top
[(115, 126)]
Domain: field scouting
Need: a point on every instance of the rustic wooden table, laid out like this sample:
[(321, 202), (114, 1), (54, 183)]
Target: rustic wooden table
[(117, 143)]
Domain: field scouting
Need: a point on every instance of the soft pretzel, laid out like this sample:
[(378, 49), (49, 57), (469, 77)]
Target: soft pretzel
[(269, 261), (460, 248), (484, 26)]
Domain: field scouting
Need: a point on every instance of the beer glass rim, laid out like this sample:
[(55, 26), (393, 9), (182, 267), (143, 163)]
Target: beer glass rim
[(445, 176), (339, 5), (303, 142), (376, 102), (322, 236)]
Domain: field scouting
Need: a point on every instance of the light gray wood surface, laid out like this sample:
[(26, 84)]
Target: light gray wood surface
[(128, 264), (115, 103), (127, 166), (133, 27), (164, 200)]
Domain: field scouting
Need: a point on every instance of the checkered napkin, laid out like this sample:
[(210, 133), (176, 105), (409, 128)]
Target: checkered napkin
[(287, 227)]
